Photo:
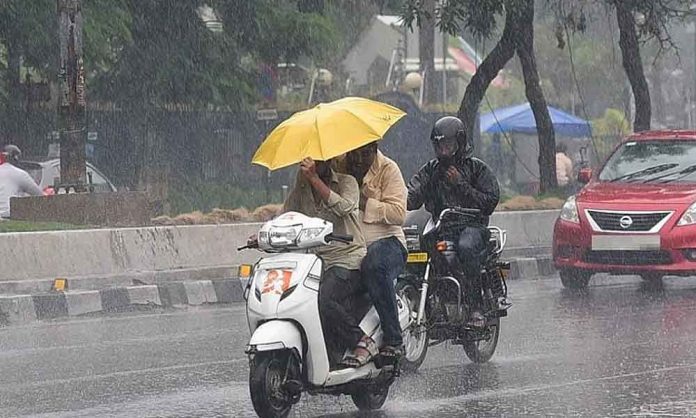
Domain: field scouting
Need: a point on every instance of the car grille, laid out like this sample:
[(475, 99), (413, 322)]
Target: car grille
[(629, 258), (640, 222)]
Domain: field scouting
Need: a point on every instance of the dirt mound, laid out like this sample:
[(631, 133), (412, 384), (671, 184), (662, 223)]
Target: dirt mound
[(266, 212), (531, 203), (221, 216)]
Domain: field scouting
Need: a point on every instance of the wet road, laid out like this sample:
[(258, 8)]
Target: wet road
[(620, 349)]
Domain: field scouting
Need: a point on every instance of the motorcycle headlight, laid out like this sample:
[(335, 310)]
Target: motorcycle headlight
[(412, 243), (689, 217), (281, 236), (569, 211)]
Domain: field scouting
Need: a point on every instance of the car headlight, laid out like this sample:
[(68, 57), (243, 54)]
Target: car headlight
[(689, 217), (283, 235), (569, 211)]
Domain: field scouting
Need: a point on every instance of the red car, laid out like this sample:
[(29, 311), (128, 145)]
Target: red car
[(636, 216)]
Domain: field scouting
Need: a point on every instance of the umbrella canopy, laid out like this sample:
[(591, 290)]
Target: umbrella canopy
[(520, 119), (326, 131)]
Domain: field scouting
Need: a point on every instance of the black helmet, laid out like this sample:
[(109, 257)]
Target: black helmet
[(449, 138), (13, 153)]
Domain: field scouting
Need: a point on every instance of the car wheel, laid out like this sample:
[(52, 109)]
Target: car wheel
[(575, 279)]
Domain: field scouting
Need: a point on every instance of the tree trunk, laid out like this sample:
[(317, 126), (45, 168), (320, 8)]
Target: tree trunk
[(633, 65), (426, 51), (14, 90), (71, 104), (535, 95), (488, 70), (658, 95)]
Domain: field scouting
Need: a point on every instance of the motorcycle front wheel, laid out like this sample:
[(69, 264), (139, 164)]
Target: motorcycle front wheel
[(416, 338), (266, 378), (482, 350), (371, 397)]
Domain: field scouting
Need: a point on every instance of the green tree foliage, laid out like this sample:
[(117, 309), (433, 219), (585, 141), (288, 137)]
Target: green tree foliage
[(171, 57), (638, 21), (161, 51)]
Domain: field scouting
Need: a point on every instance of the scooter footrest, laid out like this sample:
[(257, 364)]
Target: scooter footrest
[(292, 387)]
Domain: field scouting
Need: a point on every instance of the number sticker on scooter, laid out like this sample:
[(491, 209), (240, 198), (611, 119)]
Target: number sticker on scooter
[(277, 282)]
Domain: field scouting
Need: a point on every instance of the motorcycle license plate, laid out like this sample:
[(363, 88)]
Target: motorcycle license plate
[(625, 242), (417, 258)]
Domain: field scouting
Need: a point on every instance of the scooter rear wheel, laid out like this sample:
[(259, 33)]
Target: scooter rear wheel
[(265, 386), (371, 397)]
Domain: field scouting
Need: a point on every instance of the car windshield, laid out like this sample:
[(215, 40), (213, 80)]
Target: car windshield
[(652, 162)]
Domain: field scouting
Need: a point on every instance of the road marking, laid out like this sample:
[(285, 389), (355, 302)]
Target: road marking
[(16, 386), (107, 317), (486, 394), (122, 341)]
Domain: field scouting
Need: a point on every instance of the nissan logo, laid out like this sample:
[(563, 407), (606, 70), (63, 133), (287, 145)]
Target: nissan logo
[(625, 222)]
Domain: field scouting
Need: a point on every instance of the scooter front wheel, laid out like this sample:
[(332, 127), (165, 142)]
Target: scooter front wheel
[(371, 397), (266, 378)]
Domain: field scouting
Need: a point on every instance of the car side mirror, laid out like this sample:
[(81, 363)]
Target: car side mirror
[(585, 175)]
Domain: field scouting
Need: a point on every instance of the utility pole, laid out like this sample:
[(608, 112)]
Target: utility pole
[(71, 99)]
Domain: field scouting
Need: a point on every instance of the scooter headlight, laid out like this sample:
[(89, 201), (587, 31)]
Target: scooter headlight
[(569, 212), (282, 236), (309, 234)]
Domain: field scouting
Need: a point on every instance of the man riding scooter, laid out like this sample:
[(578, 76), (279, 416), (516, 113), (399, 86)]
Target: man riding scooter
[(382, 212), (456, 179)]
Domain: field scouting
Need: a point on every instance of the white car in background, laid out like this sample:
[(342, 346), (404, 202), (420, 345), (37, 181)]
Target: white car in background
[(45, 172)]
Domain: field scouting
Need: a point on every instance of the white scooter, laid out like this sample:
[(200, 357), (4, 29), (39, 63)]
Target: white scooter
[(287, 352)]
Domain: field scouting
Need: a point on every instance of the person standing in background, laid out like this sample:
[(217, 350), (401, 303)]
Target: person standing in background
[(564, 166)]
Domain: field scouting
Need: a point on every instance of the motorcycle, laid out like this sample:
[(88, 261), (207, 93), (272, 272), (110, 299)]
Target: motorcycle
[(287, 352), (441, 313)]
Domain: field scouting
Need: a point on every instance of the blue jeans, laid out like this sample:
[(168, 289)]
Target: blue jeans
[(385, 260), (472, 250)]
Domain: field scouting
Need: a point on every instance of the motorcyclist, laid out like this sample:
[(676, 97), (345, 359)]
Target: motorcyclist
[(14, 182), (456, 179)]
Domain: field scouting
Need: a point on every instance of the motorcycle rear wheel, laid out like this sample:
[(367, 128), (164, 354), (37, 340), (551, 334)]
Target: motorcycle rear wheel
[(265, 386), (371, 397), (482, 351), (416, 338)]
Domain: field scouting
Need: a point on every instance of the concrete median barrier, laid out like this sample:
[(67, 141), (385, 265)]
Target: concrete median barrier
[(16, 309), (95, 259), (118, 258)]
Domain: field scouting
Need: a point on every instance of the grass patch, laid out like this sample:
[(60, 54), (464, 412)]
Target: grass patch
[(27, 226)]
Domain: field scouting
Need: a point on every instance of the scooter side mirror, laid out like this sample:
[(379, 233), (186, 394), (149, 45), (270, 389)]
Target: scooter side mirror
[(585, 175)]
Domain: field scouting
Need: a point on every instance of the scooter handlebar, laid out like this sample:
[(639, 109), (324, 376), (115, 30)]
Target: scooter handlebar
[(347, 239)]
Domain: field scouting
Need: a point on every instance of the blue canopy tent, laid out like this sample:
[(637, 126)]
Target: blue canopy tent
[(520, 119)]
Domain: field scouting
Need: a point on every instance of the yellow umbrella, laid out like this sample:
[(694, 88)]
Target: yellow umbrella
[(326, 131)]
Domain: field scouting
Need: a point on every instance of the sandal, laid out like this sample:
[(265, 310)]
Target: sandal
[(392, 351), (364, 351)]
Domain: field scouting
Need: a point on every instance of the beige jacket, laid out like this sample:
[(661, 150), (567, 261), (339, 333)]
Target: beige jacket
[(385, 208)]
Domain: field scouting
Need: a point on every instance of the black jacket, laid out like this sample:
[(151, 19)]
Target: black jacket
[(477, 189)]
